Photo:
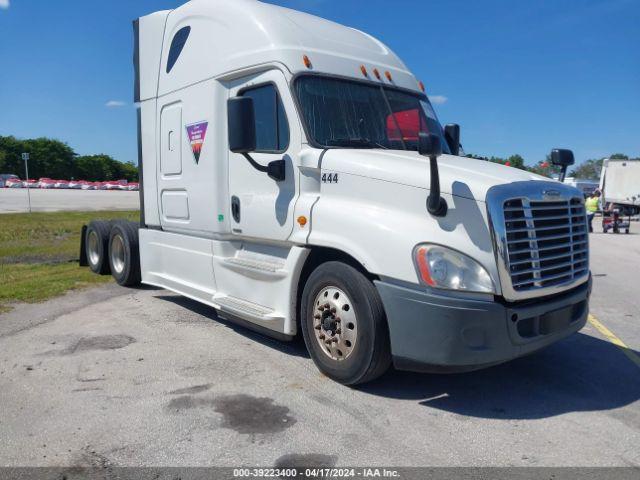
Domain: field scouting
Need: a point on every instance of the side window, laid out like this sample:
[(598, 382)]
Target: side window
[(177, 44), (272, 128)]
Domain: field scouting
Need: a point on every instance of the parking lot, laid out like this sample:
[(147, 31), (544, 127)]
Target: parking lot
[(14, 200), (118, 377)]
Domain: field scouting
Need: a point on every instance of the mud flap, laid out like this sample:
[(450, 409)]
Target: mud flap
[(83, 251)]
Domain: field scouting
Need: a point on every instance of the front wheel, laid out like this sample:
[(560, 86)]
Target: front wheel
[(344, 325)]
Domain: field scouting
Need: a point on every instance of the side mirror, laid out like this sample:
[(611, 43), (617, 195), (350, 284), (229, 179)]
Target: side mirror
[(241, 124), (429, 145), (452, 136), (562, 157)]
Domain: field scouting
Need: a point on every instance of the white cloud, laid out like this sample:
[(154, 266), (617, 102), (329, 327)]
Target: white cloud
[(113, 103), (438, 99), (4, 4)]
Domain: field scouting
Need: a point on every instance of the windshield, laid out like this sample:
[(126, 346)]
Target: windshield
[(352, 114)]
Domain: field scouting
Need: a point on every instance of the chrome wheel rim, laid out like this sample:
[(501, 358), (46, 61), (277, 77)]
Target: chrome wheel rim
[(93, 243), (117, 253), (334, 323)]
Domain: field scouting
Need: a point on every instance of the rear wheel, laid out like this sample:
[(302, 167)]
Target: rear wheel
[(344, 325), (124, 254), (97, 246)]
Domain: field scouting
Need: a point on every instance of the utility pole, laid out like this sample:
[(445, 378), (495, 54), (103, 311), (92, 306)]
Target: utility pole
[(25, 157)]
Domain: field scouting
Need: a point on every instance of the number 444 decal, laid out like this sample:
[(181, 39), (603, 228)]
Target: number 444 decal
[(329, 178)]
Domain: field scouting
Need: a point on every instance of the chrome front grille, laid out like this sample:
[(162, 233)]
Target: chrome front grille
[(540, 238), (546, 242)]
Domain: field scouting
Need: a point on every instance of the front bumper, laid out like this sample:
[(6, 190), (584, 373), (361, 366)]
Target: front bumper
[(432, 332)]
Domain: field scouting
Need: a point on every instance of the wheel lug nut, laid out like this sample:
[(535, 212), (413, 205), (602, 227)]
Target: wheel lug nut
[(326, 305), (322, 336), (338, 331), (333, 310), (317, 327)]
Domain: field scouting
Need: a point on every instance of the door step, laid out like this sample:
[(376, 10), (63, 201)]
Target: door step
[(245, 309), (248, 266)]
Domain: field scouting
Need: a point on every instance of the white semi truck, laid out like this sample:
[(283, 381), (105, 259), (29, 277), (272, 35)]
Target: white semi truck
[(295, 177)]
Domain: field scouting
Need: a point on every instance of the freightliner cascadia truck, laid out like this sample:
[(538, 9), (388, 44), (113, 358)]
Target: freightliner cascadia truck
[(295, 177)]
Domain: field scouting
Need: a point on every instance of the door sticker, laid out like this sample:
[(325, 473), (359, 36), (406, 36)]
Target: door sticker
[(197, 132)]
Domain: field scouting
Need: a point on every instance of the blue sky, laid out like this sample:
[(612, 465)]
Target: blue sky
[(518, 76)]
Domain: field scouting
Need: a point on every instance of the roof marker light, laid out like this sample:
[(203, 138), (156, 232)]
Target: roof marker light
[(363, 69), (376, 72), (421, 85), (306, 61), (388, 75)]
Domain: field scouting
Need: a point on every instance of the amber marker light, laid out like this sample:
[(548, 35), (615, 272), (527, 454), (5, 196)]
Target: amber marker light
[(376, 72), (302, 220), (306, 61), (388, 75), (423, 267), (421, 85), (364, 70)]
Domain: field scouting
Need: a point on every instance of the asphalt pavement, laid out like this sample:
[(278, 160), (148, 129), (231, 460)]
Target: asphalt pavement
[(143, 377), (15, 200)]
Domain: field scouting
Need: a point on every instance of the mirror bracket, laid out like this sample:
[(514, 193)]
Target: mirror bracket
[(275, 169), (429, 146)]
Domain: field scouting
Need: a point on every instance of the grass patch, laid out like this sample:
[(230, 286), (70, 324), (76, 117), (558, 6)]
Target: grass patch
[(39, 254)]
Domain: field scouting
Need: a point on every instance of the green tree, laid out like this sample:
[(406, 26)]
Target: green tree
[(545, 168), (516, 161), (48, 158), (588, 170), (55, 159)]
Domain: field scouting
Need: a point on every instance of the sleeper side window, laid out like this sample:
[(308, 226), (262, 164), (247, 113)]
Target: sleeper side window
[(272, 128), (177, 44)]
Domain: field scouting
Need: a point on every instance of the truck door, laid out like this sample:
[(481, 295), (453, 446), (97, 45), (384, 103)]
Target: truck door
[(260, 206)]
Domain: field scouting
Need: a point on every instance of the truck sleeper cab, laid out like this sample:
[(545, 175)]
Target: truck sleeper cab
[(284, 182)]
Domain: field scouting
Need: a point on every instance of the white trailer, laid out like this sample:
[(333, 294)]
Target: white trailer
[(620, 183), (295, 177)]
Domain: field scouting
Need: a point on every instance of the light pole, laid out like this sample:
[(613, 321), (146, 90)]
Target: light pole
[(25, 157)]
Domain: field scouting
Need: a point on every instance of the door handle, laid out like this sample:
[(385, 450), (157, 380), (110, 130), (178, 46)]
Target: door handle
[(235, 208)]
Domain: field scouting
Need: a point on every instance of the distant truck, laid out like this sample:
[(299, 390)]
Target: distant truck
[(587, 187), (295, 177), (620, 184)]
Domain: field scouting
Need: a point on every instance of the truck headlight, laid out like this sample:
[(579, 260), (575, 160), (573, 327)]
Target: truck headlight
[(442, 267)]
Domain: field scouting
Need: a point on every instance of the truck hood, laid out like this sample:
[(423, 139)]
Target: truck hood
[(459, 176)]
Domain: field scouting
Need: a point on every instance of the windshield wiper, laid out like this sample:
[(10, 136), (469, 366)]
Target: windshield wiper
[(356, 142)]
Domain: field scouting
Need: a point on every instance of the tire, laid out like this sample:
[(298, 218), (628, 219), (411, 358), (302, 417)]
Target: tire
[(124, 253), (97, 246), (359, 354)]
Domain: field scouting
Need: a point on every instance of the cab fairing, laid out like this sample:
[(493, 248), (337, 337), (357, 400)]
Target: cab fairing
[(230, 35)]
